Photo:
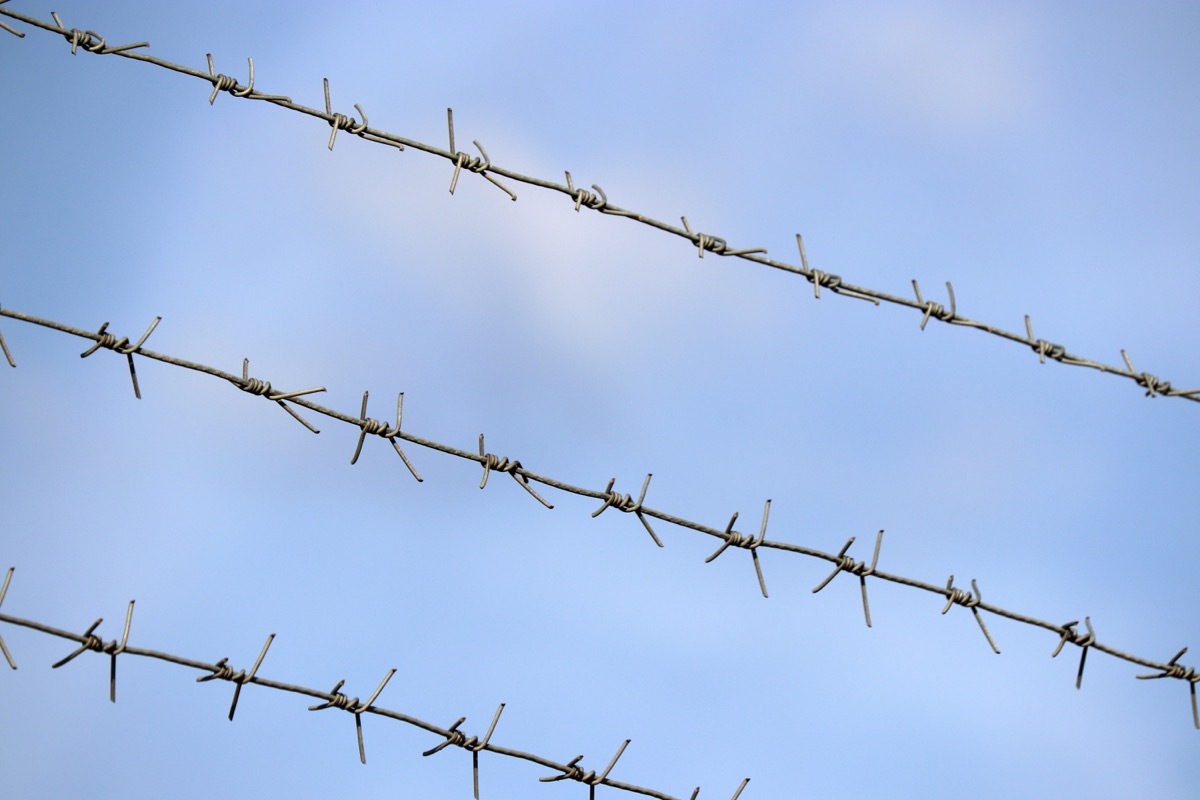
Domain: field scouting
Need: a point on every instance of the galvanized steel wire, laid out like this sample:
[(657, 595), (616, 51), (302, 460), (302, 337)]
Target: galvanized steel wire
[(609, 498), (596, 200), (482, 165), (335, 698)]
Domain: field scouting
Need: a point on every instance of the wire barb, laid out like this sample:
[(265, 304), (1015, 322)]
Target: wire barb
[(1069, 634), (491, 462), (751, 543), (1151, 384), (339, 700), (574, 772), (624, 502), (1042, 347), (375, 427), (457, 738), (341, 121), (263, 389), (224, 672), (3, 591), (482, 165), (846, 564), (91, 642), (335, 698), (477, 165), (933, 309), (715, 244), (122, 346), (90, 40), (224, 83), (818, 278), (956, 596), (13, 31), (3, 344), (1174, 669), (582, 197), (610, 498)]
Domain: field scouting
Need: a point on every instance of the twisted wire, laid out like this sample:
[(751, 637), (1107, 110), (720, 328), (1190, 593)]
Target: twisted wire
[(729, 537), (599, 202), (221, 670)]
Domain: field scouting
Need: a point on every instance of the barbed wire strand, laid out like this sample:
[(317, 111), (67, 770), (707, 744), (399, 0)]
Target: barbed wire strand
[(482, 165), (221, 670), (729, 537)]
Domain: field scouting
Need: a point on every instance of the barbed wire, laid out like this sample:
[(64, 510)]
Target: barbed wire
[(482, 165), (610, 498), (334, 698)]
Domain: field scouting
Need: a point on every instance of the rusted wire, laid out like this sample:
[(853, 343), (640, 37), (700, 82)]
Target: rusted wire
[(728, 536), (704, 242), (221, 670)]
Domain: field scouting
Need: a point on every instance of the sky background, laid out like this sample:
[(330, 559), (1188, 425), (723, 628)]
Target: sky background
[(1044, 157)]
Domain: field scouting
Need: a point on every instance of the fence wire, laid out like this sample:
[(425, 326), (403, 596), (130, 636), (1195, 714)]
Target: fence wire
[(452, 736), (598, 200), (609, 498)]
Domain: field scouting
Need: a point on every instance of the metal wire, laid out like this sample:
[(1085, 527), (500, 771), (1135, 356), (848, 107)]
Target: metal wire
[(598, 201), (334, 698), (611, 499)]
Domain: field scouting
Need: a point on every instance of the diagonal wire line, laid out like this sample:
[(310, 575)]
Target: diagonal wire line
[(221, 670), (598, 201), (729, 537)]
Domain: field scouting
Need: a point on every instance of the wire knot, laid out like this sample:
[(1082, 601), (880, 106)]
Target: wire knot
[(255, 386), (110, 342), (583, 197), (88, 40), (933, 309), (572, 771), (493, 463), (736, 539), (1153, 385), (1174, 669), (471, 163), (621, 502), (456, 738), (340, 122), (376, 427), (826, 279), (1069, 634), (1044, 348), (339, 700), (844, 563), (859, 568), (714, 244), (956, 596), (223, 83), (959, 597), (221, 671)]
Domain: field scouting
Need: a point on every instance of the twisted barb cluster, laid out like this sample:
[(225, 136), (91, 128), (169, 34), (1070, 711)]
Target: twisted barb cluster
[(482, 165), (610, 498), (335, 698)]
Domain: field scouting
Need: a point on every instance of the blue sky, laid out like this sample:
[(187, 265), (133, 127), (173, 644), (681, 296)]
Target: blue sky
[(1042, 157)]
